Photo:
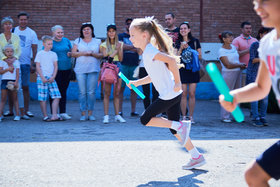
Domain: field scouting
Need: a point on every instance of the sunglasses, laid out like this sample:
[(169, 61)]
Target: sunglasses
[(86, 23), (186, 22)]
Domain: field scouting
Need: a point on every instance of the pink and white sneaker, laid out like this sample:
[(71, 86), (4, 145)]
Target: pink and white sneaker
[(194, 163)]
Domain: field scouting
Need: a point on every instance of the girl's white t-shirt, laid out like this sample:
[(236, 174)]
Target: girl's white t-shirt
[(8, 75), (269, 52), (87, 64), (160, 75), (232, 55)]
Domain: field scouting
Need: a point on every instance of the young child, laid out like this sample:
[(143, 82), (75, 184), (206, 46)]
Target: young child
[(267, 165), (46, 67), (161, 66), (10, 73)]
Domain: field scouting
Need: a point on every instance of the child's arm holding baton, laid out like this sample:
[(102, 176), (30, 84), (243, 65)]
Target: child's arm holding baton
[(133, 85)]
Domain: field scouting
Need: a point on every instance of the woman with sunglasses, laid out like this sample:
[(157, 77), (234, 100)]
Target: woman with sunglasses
[(112, 48), (188, 77), (86, 49)]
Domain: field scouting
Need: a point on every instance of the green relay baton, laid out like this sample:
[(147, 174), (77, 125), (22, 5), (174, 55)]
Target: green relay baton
[(123, 77), (223, 89)]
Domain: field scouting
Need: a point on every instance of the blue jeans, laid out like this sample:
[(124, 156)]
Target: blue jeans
[(255, 108), (25, 74), (87, 83)]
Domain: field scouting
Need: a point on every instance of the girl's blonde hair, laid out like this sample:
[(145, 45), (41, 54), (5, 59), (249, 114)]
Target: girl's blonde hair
[(8, 46), (159, 38), (108, 43)]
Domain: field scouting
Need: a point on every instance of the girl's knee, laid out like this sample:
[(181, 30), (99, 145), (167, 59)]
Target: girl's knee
[(255, 175), (144, 119)]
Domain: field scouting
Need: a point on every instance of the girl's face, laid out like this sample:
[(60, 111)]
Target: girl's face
[(87, 32), (228, 39), (58, 34), (269, 12), (9, 52), (111, 33), (138, 38), (7, 26), (184, 30)]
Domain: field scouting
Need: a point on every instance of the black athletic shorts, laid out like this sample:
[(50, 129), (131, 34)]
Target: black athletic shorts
[(269, 160)]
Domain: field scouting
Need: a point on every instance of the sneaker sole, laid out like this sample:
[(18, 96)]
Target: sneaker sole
[(195, 166)]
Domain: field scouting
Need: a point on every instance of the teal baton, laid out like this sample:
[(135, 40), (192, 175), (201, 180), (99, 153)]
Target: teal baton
[(223, 89), (132, 86)]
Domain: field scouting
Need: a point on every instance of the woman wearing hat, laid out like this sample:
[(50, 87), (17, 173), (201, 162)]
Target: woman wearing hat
[(87, 51), (112, 48)]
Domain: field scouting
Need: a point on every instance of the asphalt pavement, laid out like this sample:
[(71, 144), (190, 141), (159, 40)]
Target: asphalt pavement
[(74, 153)]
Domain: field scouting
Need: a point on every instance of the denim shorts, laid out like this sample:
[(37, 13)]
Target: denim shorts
[(4, 84), (25, 74)]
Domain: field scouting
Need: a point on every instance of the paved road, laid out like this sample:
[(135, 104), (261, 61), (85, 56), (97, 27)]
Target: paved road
[(73, 153)]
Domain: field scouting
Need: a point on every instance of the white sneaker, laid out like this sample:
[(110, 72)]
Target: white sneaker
[(65, 116), (91, 118), (118, 118), (29, 114), (17, 118), (184, 131), (83, 118), (25, 117), (106, 119)]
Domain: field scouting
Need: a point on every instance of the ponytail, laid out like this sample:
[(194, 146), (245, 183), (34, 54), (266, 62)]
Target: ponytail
[(159, 38)]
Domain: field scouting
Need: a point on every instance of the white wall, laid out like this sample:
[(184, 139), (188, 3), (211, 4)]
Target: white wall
[(102, 14), (209, 51)]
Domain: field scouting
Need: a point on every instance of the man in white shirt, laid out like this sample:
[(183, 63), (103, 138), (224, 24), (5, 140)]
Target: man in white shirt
[(28, 42)]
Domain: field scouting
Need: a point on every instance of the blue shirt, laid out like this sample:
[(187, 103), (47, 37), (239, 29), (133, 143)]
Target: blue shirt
[(130, 58), (61, 48), (252, 69)]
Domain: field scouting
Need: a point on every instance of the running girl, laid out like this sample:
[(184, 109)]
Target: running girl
[(161, 66)]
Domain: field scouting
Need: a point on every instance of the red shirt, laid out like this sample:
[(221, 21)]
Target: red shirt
[(241, 43)]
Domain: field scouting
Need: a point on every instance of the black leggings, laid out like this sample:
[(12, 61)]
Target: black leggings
[(62, 79), (171, 107), (146, 89)]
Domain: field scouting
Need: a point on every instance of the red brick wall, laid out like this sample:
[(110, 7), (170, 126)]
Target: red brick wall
[(219, 15), (46, 13)]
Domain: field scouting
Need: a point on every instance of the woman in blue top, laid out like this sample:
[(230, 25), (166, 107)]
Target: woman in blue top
[(62, 47)]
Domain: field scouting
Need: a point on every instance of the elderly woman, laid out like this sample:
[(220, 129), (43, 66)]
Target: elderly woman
[(7, 37), (87, 51), (62, 47)]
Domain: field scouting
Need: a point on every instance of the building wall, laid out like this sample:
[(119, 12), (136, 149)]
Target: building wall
[(46, 13), (218, 15)]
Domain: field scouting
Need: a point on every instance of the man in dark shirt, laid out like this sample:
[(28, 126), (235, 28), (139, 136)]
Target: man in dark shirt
[(128, 65), (172, 30)]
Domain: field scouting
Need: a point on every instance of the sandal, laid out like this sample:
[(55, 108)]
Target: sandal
[(46, 119)]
